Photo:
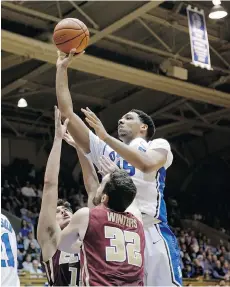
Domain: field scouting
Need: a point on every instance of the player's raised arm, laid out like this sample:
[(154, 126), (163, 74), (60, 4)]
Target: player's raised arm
[(148, 161), (75, 230), (90, 177), (48, 228), (77, 128)]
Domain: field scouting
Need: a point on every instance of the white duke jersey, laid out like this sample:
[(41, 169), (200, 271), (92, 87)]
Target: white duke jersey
[(150, 187), (9, 276)]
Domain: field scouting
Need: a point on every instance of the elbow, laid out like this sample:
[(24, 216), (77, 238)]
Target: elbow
[(48, 183), (66, 112), (148, 168)]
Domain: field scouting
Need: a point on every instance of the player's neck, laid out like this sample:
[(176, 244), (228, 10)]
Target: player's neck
[(128, 141)]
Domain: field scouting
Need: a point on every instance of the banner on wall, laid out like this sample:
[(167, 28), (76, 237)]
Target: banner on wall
[(198, 38)]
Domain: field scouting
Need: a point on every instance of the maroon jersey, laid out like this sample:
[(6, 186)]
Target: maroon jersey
[(112, 252), (63, 269)]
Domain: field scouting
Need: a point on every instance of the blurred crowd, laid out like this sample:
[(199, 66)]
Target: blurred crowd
[(21, 196), (199, 258)]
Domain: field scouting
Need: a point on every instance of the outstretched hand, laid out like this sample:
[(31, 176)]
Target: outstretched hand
[(95, 123), (69, 139), (60, 129), (64, 60), (106, 166)]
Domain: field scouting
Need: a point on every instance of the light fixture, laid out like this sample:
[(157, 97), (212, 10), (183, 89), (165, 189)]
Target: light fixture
[(217, 11), (22, 103)]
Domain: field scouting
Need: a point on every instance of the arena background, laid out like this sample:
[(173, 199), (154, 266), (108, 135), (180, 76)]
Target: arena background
[(133, 47)]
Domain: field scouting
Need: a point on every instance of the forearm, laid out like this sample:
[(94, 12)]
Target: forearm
[(65, 103), (76, 126), (89, 173), (131, 155), (47, 227), (53, 163)]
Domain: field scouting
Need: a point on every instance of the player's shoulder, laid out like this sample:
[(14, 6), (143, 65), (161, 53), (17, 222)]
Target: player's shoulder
[(3, 217), (82, 212), (98, 212), (5, 224), (98, 209), (139, 143), (159, 143)]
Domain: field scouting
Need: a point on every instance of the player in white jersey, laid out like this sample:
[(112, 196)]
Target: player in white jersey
[(146, 161), (9, 262)]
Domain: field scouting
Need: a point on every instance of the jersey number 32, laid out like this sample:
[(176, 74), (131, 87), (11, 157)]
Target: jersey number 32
[(123, 245)]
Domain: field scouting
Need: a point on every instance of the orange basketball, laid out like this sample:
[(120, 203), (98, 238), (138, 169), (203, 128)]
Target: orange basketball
[(71, 33)]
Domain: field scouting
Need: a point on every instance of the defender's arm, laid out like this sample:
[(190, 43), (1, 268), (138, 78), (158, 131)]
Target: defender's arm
[(90, 177), (48, 230), (75, 230)]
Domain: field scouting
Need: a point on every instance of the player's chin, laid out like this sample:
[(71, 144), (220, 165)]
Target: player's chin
[(122, 133)]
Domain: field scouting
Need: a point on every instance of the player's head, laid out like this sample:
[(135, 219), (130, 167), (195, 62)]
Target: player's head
[(64, 213), (135, 124), (116, 191)]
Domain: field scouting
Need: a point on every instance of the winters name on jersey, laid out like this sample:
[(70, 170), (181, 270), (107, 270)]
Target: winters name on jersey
[(6, 224), (122, 219)]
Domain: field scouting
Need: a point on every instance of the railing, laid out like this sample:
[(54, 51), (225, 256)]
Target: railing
[(27, 279)]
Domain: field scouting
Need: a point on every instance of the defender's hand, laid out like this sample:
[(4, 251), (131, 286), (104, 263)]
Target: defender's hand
[(60, 129), (95, 123), (106, 166), (65, 60), (69, 139)]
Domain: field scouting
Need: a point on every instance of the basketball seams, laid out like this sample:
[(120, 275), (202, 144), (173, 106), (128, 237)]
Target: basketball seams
[(68, 29), (71, 39), (81, 42), (78, 22)]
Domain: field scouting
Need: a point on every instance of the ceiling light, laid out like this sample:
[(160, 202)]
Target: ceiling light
[(217, 11), (22, 103)]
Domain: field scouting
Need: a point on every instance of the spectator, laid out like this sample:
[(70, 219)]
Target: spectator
[(198, 270), (27, 264), (39, 191), (25, 229), (188, 272), (35, 270), (218, 272), (208, 264), (28, 191), (30, 239), (32, 249)]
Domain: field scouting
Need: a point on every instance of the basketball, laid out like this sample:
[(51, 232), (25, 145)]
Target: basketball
[(71, 33)]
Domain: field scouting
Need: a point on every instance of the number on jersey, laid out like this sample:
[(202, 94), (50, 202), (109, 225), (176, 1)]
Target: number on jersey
[(123, 245), (123, 164), (73, 279), (5, 244)]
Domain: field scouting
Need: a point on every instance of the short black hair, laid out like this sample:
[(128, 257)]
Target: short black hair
[(120, 189), (147, 120), (65, 203)]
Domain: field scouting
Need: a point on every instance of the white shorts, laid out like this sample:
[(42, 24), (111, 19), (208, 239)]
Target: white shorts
[(162, 257)]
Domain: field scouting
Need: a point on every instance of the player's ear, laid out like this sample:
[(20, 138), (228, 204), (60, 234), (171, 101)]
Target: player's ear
[(104, 199), (144, 127)]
